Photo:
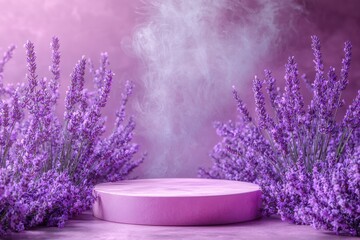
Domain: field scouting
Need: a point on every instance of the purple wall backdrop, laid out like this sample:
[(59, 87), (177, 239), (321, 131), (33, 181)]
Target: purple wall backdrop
[(183, 56)]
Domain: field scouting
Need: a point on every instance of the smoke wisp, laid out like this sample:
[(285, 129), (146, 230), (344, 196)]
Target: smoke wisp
[(193, 52)]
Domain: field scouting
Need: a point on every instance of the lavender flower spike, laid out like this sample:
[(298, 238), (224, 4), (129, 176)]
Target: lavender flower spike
[(31, 64), (345, 66), (55, 68), (241, 107), (260, 103)]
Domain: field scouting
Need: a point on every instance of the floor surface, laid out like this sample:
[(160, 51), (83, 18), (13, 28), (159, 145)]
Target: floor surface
[(87, 227)]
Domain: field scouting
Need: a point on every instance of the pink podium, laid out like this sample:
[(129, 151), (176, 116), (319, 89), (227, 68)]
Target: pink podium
[(177, 201)]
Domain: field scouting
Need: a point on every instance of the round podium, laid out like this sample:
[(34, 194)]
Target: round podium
[(177, 201)]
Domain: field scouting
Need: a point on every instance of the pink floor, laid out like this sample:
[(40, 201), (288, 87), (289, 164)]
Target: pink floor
[(88, 227)]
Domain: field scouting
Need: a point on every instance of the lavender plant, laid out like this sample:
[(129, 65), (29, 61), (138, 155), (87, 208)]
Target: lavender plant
[(306, 162), (49, 166)]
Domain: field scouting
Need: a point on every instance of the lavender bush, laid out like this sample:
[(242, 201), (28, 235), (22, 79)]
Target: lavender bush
[(49, 166), (306, 162)]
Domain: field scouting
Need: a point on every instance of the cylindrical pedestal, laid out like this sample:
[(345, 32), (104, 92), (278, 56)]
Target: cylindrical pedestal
[(177, 201)]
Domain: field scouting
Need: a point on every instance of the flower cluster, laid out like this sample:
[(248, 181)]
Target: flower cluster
[(49, 165), (306, 162)]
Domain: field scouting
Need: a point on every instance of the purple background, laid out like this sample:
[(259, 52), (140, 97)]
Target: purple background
[(234, 42)]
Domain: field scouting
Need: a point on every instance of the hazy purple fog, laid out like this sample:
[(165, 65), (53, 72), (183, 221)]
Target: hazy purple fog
[(184, 56)]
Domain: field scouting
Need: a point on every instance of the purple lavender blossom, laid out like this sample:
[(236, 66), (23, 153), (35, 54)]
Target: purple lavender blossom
[(55, 69), (49, 166), (260, 104), (307, 164)]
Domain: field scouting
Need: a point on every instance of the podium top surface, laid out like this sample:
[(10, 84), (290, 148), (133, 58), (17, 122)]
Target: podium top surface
[(176, 187)]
